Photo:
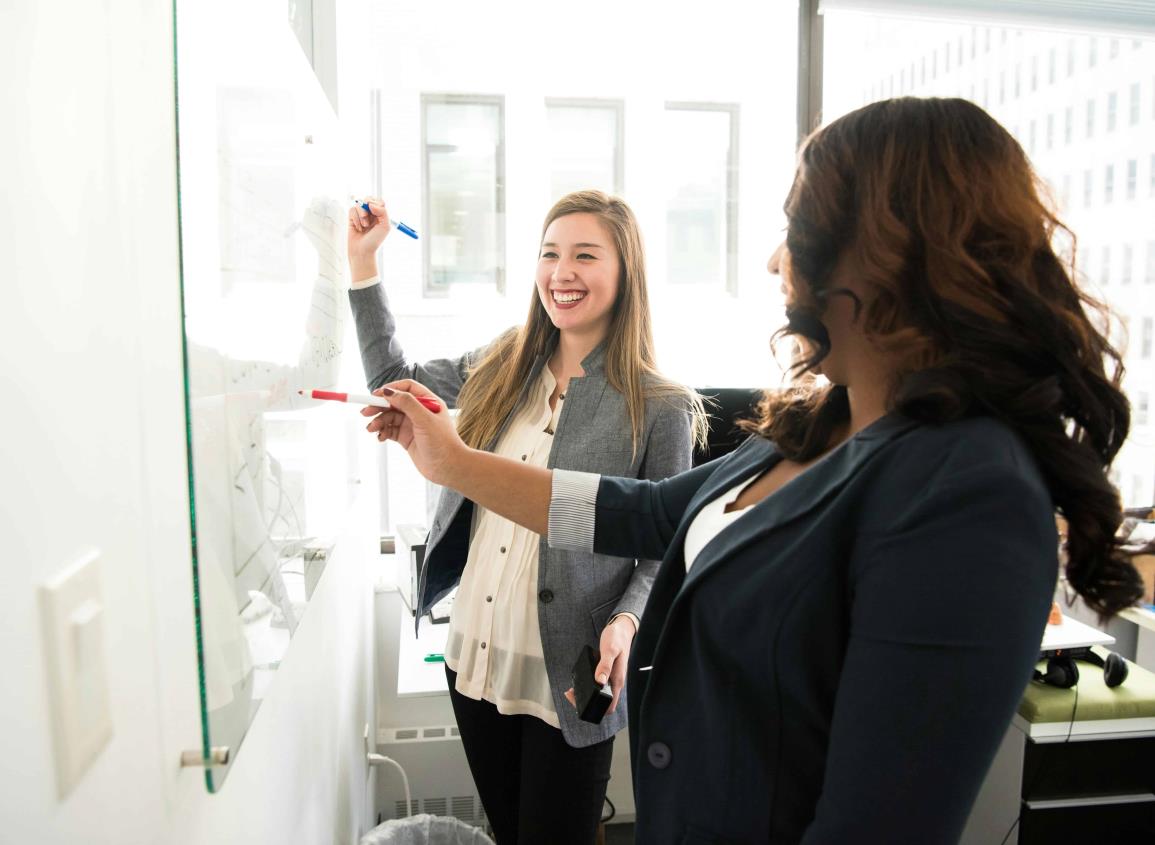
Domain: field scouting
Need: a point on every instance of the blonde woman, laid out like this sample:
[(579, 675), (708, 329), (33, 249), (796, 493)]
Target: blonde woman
[(576, 387)]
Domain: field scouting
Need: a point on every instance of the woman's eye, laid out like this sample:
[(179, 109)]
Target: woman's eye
[(549, 255), (585, 255)]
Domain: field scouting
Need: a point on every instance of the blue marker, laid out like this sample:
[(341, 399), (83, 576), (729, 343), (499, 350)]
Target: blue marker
[(396, 224)]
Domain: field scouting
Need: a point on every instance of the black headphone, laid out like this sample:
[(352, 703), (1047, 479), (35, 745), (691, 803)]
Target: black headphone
[(1063, 673)]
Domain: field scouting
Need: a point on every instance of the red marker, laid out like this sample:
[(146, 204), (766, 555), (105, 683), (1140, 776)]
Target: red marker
[(366, 399)]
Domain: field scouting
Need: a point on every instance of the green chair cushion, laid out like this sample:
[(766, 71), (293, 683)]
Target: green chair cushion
[(1135, 698)]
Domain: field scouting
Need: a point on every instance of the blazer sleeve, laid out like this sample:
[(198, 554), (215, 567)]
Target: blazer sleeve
[(620, 517), (669, 451), (949, 599), (384, 359)]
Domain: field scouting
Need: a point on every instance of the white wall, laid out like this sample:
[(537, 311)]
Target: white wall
[(89, 229)]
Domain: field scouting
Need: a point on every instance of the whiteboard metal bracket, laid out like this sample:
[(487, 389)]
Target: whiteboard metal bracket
[(218, 756)]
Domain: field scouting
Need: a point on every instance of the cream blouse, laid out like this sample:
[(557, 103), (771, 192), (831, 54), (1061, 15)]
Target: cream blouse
[(712, 520), (494, 642)]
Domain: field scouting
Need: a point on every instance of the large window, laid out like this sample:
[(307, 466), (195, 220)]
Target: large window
[(640, 104), (701, 200), (464, 191), (586, 145), (1106, 163), (561, 111)]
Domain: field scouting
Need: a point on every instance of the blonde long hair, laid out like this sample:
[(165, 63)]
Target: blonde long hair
[(494, 384)]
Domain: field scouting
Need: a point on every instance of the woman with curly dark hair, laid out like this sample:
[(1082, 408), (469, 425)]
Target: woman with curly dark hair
[(850, 605)]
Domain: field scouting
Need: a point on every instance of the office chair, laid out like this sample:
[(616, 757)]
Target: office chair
[(725, 405)]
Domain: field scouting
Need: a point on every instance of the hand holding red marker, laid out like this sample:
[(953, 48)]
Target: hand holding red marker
[(366, 399), (431, 440)]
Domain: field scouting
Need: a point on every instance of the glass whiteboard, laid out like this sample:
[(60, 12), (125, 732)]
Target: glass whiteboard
[(272, 475)]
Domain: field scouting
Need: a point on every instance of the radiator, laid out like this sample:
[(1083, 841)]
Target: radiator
[(439, 778)]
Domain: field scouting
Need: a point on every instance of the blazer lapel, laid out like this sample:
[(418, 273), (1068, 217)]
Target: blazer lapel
[(800, 496), (754, 456)]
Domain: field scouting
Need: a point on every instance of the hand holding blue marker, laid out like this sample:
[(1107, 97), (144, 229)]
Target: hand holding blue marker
[(396, 224)]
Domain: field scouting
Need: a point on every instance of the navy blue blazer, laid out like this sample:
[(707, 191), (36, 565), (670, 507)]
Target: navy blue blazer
[(842, 661)]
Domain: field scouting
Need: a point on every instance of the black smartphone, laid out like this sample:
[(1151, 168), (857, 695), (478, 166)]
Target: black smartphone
[(593, 699)]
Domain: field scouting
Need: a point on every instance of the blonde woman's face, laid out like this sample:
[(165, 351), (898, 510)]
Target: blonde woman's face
[(578, 273)]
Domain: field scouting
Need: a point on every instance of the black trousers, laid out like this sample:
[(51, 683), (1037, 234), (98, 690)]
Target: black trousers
[(535, 788)]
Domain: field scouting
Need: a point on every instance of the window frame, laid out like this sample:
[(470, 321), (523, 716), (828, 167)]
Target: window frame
[(730, 283), (428, 289), (618, 106)]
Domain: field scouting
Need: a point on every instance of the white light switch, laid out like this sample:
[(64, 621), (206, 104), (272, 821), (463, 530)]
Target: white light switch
[(73, 613)]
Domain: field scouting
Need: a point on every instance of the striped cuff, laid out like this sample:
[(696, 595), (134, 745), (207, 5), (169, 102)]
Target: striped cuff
[(365, 283), (571, 510)]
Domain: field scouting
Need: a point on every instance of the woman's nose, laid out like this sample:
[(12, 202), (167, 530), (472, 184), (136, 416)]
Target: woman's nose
[(563, 270), (774, 265)]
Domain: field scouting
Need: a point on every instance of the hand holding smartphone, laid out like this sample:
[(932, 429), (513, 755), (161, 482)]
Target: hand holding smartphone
[(591, 698)]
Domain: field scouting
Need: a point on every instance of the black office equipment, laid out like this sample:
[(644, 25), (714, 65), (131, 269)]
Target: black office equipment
[(410, 554), (1062, 672), (725, 405), (592, 698)]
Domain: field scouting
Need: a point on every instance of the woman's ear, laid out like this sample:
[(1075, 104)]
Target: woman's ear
[(855, 297)]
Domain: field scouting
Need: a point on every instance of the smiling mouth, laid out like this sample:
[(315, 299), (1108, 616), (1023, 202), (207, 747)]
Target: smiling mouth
[(568, 297)]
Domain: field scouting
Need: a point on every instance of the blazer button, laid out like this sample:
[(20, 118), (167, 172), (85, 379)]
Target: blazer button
[(658, 754), (546, 596)]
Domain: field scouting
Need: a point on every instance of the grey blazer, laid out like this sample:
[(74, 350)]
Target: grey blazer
[(578, 591)]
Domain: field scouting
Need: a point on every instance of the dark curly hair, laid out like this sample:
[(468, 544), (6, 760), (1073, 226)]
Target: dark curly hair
[(940, 211)]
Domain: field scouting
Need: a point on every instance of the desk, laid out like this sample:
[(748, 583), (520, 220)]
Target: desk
[(1071, 633), (415, 677), (1084, 780), (1141, 616), (1144, 621)]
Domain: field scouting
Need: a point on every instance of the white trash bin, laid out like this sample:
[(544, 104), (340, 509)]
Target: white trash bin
[(425, 830)]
